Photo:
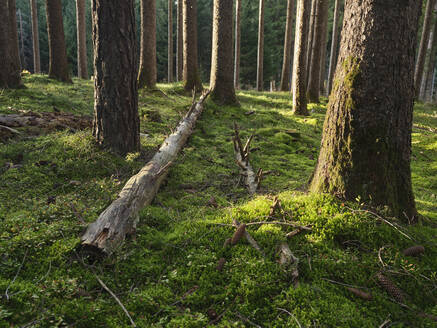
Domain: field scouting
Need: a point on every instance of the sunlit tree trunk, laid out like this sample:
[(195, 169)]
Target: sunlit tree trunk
[(311, 28), (179, 44), (427, 89), (285, 76), (334, 44), (82, 65), (35, 37), (147, 71), (260, 57), (191, 71)]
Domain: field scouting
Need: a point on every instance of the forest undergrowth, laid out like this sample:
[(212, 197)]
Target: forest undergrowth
[(52, 185)]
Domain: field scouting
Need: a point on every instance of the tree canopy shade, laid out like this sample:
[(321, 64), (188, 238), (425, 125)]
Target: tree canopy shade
[(366, 144)]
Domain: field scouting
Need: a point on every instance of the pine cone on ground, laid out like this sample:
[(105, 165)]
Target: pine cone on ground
[(390, 287), (414, 251)]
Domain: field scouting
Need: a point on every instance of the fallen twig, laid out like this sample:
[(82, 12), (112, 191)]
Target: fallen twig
[(16, 275), (292, 315)]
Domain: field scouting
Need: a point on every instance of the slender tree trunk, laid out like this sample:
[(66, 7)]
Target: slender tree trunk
[(116, 122), (285, 76), (222, 79), (427, 92), (58, 65), (170, 41), (260, 58), (323, 53), (311, 28), (14, 50), (22, 57), (35, 37), (237, 44), (4, 45), (300, 57), (179, 44), (334, 44), (366, 143), (319, 29), (191, 72), (82, 65), (147, 72), (420, 63)]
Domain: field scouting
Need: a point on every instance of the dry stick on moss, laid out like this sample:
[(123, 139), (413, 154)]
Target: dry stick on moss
[(249, 238), (292, 315), (16, 275), (120, 218)]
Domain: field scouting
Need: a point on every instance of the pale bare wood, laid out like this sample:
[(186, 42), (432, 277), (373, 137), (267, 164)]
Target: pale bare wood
[(289, 262)]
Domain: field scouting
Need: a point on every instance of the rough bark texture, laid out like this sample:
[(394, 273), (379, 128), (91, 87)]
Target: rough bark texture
[(366, 143), (14, 49), (116, 121), (179, 44), (170, 42), (323, 54), (82, 64), (222, 77), (237, 44), (12, 66), (260, 58), (285, 76), (58, 65), (35, 37), (420, 63), (334, 44), (120, 218), (191, 72), (300, 57), (147, 71), (316, 57), (4, 45)]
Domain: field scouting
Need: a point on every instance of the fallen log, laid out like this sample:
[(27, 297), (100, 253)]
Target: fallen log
[(120, 218)]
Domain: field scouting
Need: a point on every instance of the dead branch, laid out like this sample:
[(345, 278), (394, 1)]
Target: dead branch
[(249, 238)]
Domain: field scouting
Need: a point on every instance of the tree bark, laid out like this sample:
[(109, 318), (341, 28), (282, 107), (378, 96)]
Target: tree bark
[(311, 28), (366, 144), (82, 65), (260, 57), (334, 44), (116, 122), (316, 57), (420, 63), (120, 218), (35, 37), (285, 76), (170, 41), (427, 90), (148, 70), (191, 72), (300, 57), (21, 49), (4, 45), (222, 77), (14, 51), (179, 44), (323, 53), (237, 44), (58, 65)]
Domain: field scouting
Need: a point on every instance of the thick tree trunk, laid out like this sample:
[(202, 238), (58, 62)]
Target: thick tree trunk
[(260, 57), (334, 44), (120, 218), (82, 65), (300, 57), (147, 71), (116, 121), (179, 44), (58, 65), (191, 73), (237, 47), (366, 144), (420, 63), (285, 76), (14, 73), (311, 27), (222, 77), (427, 89), (319, 28), (35, 37), (170, 42)]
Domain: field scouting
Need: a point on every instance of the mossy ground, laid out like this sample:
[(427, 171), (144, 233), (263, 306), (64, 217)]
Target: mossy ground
[(166, 276)]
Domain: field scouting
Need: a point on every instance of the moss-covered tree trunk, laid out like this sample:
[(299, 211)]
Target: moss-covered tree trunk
[(285, 76), (147, 71), (170, 41), (420, 63), (260, 56), (191, 70), (116, 122), (334, 45), (300, 57), (366, 143), (179, 43), (237, 47), (82, 65), (58, 64), (222, 73), (14, 51), (35, 37)]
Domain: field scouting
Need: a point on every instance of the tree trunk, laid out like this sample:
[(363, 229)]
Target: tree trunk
[(116, 122), (82, 65), (179, 44), (35, 37), (4, 45), (323, 42), (311, 28), (285, 76), (366, 143), (319, 28), (420, 63), (170, 41), (427, 90), (21, 49), (14, 51), (334, 44), (237, 44), (300, 57), (147, 72), (191, 73), (222, 77), (58, 65), (260, 58)]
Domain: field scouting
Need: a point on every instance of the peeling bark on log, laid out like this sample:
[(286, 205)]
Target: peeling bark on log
[(120, 218), (289, 262)]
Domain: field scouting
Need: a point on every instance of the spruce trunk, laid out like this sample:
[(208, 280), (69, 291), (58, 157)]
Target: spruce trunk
[(170, 42), (82, 65), (179, 44), (14, 52), (237, 44), (334, 45), (191, 72), (35, 37), (260, 57), (147, 71), (285, 76)]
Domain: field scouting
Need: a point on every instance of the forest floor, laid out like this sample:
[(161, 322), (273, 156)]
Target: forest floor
[(53, 184)]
